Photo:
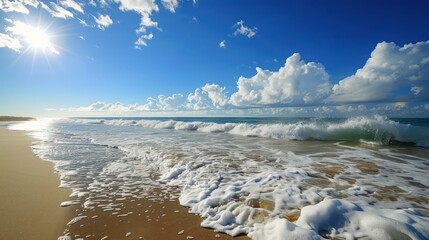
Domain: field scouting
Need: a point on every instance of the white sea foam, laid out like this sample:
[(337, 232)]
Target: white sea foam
[(243, 185), (375, 129)]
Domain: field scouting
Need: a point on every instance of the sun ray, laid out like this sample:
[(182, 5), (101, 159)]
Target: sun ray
[(37, 38)]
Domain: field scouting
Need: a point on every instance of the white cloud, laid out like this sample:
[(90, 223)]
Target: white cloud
[(106, 107), (103, 3), (142, 40), (350, 108), (33, 3), (92, 3), (13, 6), (139, 6), (57, 11), (19, 31), (296, 83), (392, 73), (83, 22), (18, 5), (103, 21), (244, 30), (210, 96), (145, 23), (10, 42), (151, 105), (222, 44), (216, 94), (323, 109), (145, 8), (72, 4), (416, 90), (195, 19), (303, 88), (400, 105), (171, 5), (172, 102)]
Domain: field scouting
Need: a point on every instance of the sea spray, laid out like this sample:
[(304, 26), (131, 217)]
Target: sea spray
[(376, 129)]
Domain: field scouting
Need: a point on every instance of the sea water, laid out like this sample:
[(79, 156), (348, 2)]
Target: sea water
[(270, 178)]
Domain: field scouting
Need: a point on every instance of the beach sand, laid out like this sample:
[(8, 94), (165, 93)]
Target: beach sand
[(29, 195), (143, 219), (30, 205)]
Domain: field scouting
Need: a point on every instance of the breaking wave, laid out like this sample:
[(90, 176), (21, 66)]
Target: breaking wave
[(375, 130)]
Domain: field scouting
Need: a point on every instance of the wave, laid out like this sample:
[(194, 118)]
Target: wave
[(376, 129)]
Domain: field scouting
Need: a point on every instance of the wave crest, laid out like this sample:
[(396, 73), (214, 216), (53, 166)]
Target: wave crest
[(376, 129)]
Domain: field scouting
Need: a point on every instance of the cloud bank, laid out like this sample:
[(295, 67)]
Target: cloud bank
[(393, 74), (296, 83)]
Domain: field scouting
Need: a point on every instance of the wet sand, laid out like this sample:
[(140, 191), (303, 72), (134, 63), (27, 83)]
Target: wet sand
[(30, 205), (29, 195), (143, 219)]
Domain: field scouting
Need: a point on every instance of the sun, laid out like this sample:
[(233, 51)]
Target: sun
[(39, 40)]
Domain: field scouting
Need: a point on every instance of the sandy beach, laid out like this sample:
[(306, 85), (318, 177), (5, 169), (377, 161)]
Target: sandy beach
[(29, 195), (30, 205)]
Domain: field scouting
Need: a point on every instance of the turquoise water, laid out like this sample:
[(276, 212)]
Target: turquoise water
[(376, 129)]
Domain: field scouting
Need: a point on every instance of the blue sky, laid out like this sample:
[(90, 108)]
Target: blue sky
[(286, 58)]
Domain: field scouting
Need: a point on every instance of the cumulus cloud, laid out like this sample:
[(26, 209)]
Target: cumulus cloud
[(72, 4), (103, 21), (222, 44), (139, 6), (241, 29), (392, 73), (10, 42), (397, 75), (172, 102), (296, 83), (210, 96), (145, 8), (171, 5)]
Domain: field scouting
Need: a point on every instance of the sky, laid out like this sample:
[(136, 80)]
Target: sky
[(214, 58)]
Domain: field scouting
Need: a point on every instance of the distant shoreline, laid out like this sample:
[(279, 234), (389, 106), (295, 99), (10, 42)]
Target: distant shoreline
[(14, 118)]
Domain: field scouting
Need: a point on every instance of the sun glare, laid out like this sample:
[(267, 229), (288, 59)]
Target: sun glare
[(39, 39)]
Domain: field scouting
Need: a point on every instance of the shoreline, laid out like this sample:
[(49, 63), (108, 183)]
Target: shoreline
[(29, 194), (30, 205)]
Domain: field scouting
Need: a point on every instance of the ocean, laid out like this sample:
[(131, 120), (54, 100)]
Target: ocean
[(269, 178)]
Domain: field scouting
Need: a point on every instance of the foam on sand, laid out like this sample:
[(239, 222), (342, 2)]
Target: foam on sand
[(265, 187), (335, 218)]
